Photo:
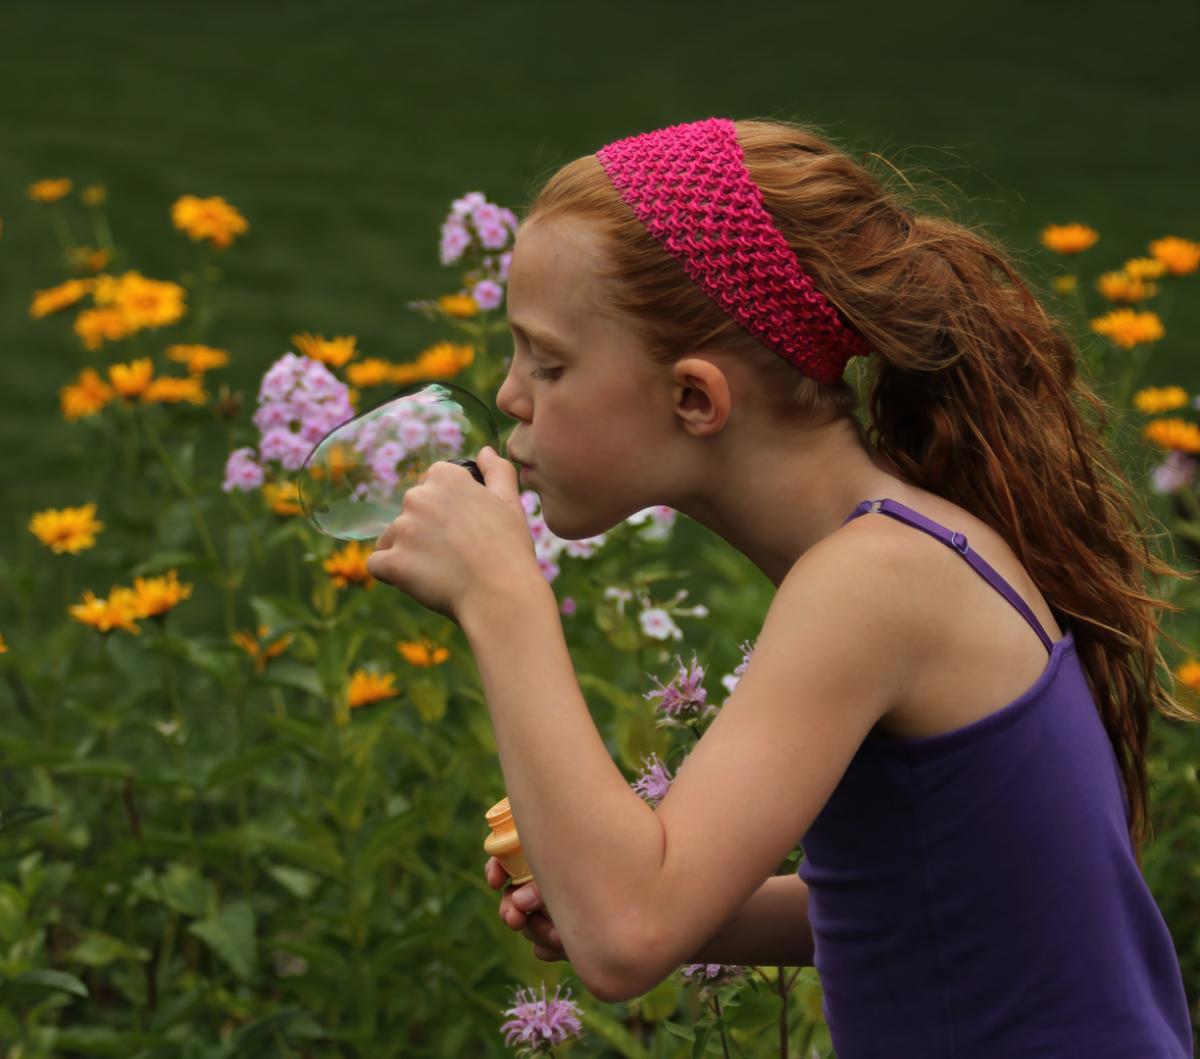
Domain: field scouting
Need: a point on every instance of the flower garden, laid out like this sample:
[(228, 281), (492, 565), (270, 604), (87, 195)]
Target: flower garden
[(244, 783)]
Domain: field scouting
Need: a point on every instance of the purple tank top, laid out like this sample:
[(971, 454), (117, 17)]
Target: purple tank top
[(975, 894)]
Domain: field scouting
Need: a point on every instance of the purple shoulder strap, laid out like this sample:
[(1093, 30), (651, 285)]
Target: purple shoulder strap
[(957, 541)]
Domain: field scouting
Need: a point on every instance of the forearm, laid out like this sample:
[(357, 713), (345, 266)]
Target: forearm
[(593, 845), (771, 928)]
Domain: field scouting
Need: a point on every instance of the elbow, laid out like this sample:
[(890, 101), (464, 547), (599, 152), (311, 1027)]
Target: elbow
[(626, 975)]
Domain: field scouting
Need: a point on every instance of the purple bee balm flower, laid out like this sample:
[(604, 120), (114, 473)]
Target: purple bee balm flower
[(653, 781), (537, 1025), (712, 975), (684, 697)]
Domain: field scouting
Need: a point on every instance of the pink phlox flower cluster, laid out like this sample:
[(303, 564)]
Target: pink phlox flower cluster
[(568, 606), (488, 294), (659, 521), (537, 1025), (731, 680), (547, 546), (472, 219), (684, 697), (299, 402), (1174, 473), (653, 781)]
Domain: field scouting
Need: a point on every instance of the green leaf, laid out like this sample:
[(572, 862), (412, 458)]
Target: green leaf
[(247, 764), (185, 890), (428, 694), (755, 1011), (660, 1003), (97, 949), (291, 674), (623, 700), (44, 978), (160, 562), (613, 1032), (19, 815), (677, 1030), (230, 934), (298, 882)]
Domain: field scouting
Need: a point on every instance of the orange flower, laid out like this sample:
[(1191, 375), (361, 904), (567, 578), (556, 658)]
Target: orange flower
[(133, 379), (424, 653), (459, 305), (1155, 400), (1173, 434), (340, 459), (283, 497), (68, 529), (119, 611), (253, 646), (53, 299), (50, 190), (1127, 328), (1068, 238), (369, 372), (86, 259), (97, 326), (1144, 268), (212, 218), (1181, 256), (332, 351), (1189, 673), (157, 595), (86, 396), (94, 195), (367, 687), (140, 301), (198, 359), (441, 361), (171, 389), (3, 645), (1122, 287), (349, 565)]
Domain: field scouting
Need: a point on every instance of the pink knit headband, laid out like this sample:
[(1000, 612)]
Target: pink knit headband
[(688, 184)]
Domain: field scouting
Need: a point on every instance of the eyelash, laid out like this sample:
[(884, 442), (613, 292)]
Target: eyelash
[(549, 374)]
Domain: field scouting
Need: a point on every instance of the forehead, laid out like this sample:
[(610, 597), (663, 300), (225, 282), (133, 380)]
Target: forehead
[(553, 278)]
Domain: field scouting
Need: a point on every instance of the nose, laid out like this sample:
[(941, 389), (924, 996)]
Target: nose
[(511, 400)]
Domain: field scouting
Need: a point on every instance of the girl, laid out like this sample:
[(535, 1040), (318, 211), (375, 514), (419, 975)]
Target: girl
[(948, 702)]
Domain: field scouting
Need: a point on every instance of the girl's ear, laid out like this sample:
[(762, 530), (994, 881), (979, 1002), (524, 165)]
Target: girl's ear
[(701, 395)]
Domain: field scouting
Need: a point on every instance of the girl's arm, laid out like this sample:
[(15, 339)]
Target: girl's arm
[(771, 929)]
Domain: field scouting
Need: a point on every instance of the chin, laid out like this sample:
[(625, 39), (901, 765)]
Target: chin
[(577, 525)]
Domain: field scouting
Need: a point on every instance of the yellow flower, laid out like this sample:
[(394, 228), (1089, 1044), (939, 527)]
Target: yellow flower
[(1181, 256), (369, 372), (198, 359), (50, 190), (1065, 284), (367, 687), (1128, 328), (53, 299), (212, 218), (349, 565), (1145, 267), (118, 611), (1189, 673), (94, 195), (1173, 434), (132, 379), (97, 326), (460, 305), (253, 646), (1122, 287), (423, 652), (141, 302), (3, 645), (332, 351), (1153, 401), (1068, 238), (283, 498), (157, 595), (171, 389), (441, 361), (339, 459), (87, 259), (68, 529), (86, 396)]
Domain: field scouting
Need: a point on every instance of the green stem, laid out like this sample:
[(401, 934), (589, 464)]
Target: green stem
[(239, 710), (170, 678), (62, 229)]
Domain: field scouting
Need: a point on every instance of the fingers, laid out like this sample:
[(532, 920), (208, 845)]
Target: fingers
[(498, 474)]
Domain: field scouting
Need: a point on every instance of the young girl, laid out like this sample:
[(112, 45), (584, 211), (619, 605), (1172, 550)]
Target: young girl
[(947, 706)]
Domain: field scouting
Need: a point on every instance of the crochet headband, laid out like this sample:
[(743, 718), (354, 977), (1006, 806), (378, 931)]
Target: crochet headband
[(688, 184)]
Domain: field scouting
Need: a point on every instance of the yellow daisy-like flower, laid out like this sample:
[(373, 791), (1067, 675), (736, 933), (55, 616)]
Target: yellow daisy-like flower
[(87, 259), (118, 611), (171, 389), (283, 498), (94, 195), (212, 218), (369, 372), (1065, 284), (349, 566), (1189, 674), (133, 379), (441, 361), (1068, 238), (1173, 435), (97, 326), (86, 396), (54, 299), (252, 645), (367, 687), (1154, 400), (198, 359), (1122, 287), (68, 529), (462, 306), (1144, 267), (50, 190), (3, 645), (1181, 256), (157, 595), (1128, 328), (424, 653), (332, 351), (141, 302)]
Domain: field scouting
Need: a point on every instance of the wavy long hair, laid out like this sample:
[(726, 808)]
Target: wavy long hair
[(975, 391)]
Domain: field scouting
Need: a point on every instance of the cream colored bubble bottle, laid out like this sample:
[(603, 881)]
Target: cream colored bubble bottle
[(504, 844)]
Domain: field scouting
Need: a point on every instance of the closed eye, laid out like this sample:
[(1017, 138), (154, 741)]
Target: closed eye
[(549, 374)]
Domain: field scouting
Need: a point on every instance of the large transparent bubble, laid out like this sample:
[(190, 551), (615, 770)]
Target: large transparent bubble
[(352, 484)]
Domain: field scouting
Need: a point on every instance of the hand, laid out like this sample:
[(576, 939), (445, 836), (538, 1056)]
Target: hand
[(455, 537), (535, 922)]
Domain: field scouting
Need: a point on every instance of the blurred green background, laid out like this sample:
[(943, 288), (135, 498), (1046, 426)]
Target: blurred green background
[(343, 130)]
